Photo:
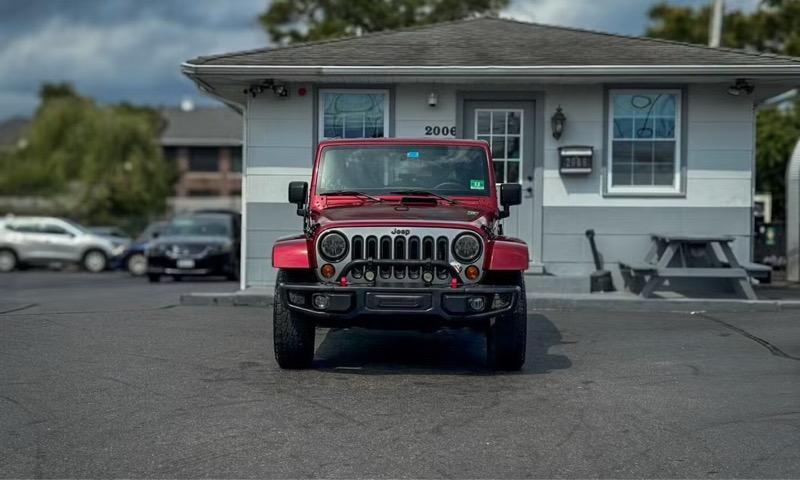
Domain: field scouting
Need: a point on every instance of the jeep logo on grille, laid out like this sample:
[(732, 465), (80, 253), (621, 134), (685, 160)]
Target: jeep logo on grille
[(398, 231)]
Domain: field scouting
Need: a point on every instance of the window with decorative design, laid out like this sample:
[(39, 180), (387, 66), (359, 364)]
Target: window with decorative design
[(353, 113), (644, 141)]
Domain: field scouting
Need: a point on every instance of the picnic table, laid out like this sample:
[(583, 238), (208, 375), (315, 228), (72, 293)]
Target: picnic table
[(693, 256)]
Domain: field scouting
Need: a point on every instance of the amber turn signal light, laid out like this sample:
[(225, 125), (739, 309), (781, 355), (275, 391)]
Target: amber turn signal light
[(471, 272), (328, 270)]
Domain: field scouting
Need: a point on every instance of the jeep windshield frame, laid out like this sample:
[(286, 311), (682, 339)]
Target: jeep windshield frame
[(443, 171)]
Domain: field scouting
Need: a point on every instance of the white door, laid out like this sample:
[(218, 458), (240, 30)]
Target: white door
[(508, 128)]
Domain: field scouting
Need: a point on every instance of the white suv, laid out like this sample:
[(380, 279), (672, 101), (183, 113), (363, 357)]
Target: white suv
[(29, 240)]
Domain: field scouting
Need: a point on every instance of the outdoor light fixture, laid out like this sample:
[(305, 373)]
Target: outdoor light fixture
[(558, 122), (433, 99), (741, 87), (280, 90)]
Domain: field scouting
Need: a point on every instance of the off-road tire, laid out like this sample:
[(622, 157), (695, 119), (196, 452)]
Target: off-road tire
[(507, 335), (293, 333), (9, 261), (153, 277), (90, 256)]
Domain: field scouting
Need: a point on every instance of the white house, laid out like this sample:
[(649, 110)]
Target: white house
[(668, 128)]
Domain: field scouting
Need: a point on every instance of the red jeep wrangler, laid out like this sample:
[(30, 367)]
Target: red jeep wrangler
[(401, 234)]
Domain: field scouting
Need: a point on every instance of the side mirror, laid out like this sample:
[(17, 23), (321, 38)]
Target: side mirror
[(510, 194), (298, 192)]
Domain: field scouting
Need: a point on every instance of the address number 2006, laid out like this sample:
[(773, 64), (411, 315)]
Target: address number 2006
[(440, 130)]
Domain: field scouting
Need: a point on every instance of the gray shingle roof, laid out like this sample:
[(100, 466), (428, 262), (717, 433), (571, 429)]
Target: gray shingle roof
[(494, 42), (202, 126)]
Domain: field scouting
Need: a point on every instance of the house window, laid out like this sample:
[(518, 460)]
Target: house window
[(203, 159), (354, 113), (236, 159), (644, 141)]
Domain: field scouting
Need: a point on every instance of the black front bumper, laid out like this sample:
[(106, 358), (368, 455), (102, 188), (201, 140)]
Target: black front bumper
[(397, 307), (211, 264)]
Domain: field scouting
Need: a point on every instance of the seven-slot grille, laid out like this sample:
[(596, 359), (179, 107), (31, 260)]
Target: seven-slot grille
[(412, 247), (387, 243)]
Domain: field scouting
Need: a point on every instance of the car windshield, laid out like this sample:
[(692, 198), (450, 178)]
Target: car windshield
[(449, 171), (197, 225)]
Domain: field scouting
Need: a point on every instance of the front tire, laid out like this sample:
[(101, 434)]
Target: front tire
[(507, 335), (137, 265), (293, 333), (94, 261), (8, 260)]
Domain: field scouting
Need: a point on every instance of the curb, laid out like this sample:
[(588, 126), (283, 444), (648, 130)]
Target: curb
[(586, 302)]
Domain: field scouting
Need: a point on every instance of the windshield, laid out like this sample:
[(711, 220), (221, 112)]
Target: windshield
[(195, 225), (450, 171)]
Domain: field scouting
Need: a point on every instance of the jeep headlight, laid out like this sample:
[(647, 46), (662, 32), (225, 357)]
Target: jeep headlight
[(333, 246), (467, 247)]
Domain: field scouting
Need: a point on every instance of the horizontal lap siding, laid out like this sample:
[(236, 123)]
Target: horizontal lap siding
[(718, 200), (280, 137)]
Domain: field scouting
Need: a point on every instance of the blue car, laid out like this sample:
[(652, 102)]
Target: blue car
[(134, 259)]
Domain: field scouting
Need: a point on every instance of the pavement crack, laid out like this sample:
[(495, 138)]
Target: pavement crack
[(773, 349), (18, 309)]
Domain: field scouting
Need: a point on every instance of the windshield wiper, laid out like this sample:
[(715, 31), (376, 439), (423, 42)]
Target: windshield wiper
[(351, 193), (424, 193)]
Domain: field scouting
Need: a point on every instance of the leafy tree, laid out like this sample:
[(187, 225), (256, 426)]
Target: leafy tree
[(289, 21), (775, 28), (107, 157)]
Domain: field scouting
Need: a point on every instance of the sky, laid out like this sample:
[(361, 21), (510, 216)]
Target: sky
[(130, 50)]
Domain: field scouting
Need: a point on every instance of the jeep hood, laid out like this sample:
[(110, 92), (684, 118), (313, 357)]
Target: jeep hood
[(383, 213)]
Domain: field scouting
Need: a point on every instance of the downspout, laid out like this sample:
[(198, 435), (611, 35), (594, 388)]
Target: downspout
[(793, 216)]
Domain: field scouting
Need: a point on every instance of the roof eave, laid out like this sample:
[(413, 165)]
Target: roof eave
[(762, 70)]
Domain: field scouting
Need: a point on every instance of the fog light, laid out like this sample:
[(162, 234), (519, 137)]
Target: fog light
[(472, 272), (369, 275), (327, 270), (427, 276), (320, 301), (476, 303)]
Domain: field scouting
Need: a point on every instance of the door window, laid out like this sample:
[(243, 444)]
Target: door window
[(53, 229), (502, 130)]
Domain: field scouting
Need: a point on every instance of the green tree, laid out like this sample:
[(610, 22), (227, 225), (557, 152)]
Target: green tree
[(289, 21), (774, 28), (107, 157)]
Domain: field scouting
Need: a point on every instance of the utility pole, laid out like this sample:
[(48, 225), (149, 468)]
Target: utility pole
[(715, 29)]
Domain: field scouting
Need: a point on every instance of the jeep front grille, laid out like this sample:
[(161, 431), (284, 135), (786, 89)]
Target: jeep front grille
[(380, 243)]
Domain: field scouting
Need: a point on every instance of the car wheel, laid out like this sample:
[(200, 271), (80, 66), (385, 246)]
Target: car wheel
[(293, 333), (8, 260), (507, 335), (94, 261), (154, 277), (137, 265)]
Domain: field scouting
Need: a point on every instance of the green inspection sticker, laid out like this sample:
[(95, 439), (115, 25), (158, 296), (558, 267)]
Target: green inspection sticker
[(476, 184)]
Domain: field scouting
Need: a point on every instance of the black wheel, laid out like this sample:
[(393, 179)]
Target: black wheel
[(293, 333), (94, 261), (8, 260), (154, 277), (507, 335)]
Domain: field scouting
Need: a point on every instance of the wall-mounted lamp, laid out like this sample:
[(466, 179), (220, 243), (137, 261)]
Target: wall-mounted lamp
[(741, 87), (433, 99), (558, 122)]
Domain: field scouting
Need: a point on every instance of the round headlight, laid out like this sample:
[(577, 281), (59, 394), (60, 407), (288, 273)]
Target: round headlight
[(333, 246), (467, 247)]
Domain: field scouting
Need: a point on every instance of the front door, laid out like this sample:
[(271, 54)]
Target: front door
[(508, 128)]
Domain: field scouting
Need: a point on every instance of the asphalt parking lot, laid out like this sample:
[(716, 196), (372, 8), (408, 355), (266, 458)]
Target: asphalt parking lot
[(106, 376)]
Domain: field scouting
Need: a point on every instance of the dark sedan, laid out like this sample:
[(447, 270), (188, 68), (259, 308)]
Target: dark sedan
[(203, 244)]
